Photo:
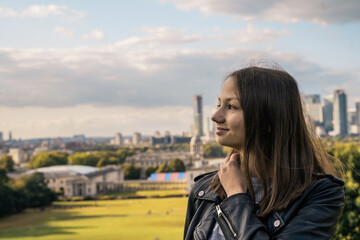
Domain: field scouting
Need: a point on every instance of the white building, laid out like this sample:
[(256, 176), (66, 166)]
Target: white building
[(313, 107), (18, 155), (119, 141), (136, 138), (77, 180)]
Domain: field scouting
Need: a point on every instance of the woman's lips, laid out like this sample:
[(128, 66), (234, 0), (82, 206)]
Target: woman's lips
[(221, 131)]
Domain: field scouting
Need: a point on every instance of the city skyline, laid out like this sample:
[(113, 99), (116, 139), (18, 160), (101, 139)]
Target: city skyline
[(314, 105), (99, 68)]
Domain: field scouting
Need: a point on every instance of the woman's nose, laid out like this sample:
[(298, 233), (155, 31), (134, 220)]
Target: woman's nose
[(218, 116)]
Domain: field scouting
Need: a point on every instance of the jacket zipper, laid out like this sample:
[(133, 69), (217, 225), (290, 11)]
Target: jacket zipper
[(220, 213)]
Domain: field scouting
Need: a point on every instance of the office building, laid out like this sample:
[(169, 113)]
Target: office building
[(357, 110), (313, 108), (18, 155), (136, 138), (354, 122), (198, 115), (328, 109), (119, 141), (340, 113)]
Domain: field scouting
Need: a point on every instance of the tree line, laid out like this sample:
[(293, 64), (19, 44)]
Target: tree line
[(95, 159), (29, 191)]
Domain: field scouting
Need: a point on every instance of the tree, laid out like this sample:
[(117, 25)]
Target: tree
[(131, 172), (6, 193), (123, 153), (163, 168), (176, 165), (149, 170), (7, 163), (37, 193), (213, 150), (83, 158), (11, 200), (45, 159), (348, 227)]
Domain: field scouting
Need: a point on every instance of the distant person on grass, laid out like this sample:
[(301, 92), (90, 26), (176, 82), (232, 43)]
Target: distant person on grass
[(277, 182)]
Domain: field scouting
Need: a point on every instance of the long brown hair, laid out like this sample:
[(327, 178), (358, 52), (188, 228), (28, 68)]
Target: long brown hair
[(279, 149)]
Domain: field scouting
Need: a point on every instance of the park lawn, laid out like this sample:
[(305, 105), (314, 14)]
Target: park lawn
[(150, 218)]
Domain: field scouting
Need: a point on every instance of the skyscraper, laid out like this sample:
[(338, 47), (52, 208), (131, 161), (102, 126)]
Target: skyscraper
[(118, 139), (328, 109), (313, 107), (136, 138), (198, 115), (357, 117), (340, 113), (357, 107)]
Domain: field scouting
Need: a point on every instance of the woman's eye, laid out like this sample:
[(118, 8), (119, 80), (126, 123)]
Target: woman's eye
[(218, 106), (232, 107)]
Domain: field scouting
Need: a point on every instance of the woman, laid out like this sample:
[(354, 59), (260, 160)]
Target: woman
[(277, 182)]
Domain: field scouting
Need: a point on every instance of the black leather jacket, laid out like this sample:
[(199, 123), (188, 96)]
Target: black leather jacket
[(313, 215)]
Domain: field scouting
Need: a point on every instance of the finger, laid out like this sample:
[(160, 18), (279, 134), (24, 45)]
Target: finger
[(235, 159), (227, 159), (223, 168)]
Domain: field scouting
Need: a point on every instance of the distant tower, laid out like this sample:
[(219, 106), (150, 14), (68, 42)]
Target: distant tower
[(157, 134), (357, 107), (10, 136), (196, 150), (313, 107), (136, 138), (118, 139), (357, 117), (198, 115), (1, 136), (340, 113), (328, 109)]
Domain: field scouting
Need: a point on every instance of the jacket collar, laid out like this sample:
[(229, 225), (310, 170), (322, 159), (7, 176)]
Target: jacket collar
[(202, 189)]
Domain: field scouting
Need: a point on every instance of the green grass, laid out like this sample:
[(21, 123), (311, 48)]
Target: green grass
[(112, 219)]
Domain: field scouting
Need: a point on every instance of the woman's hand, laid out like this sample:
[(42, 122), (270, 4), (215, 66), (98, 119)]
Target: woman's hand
[(231, 175)]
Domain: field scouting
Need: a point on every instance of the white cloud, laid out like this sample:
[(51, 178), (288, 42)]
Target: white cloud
[(319, 11), (111, 76), (41, 11), (65, 32), (254, 35), (158, 36), (8, 12), (94, 34), (153, 70), (123, 86), (94, 120)]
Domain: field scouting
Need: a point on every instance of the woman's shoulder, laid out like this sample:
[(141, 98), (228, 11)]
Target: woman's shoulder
[(326, 180), (324, 188)]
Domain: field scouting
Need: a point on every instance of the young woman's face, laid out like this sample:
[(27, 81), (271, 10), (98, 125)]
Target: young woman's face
[(229, 117)]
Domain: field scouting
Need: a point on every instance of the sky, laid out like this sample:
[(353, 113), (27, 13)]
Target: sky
[(102, 67)]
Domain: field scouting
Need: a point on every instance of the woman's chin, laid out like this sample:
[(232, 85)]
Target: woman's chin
[(222, 142)]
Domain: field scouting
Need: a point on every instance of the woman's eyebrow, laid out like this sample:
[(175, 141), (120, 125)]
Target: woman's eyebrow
[(228, 99)]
